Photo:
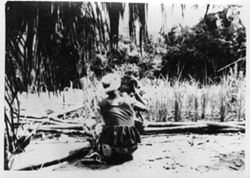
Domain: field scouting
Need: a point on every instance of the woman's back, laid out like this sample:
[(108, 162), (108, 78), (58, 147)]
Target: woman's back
[(121, 113)]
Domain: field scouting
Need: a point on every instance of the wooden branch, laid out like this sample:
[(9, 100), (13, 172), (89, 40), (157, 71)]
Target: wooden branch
[(62, 112), (187, 128), (206, 11), (226, 130), (169, 124), (63, 131), (52, 121), (48, 120), (53, 116), (211, 127), (27, 120), (240, 59), (61, 126), (33, 117), (62, 121), (49, 154), (173, 124), (225, 125), (236, 123)]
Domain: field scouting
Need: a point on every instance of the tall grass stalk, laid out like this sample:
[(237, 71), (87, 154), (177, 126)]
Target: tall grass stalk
[(196, 112), (204, 102)]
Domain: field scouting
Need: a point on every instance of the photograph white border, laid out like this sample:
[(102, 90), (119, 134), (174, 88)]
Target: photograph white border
[(64, 174)]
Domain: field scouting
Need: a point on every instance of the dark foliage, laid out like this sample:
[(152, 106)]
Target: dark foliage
[(52, 43), (199, 52)]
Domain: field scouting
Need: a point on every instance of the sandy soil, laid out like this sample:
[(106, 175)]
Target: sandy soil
[(168, 153), (177, 153)]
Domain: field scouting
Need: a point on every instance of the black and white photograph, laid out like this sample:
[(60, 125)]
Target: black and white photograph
[(125, 87)]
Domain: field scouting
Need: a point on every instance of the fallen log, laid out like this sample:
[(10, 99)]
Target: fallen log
[(169, 124), (201, 128), (166, 124), (189, 128), (62, 112), (236, 123), (32, 115), (62, 121), (44, 155), (28, 120), (47, 120), (228, 130), (63, 131), (173, 124), (60, 126), (225, 125)]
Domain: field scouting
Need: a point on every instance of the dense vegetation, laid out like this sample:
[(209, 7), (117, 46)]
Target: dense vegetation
[(49, 44)]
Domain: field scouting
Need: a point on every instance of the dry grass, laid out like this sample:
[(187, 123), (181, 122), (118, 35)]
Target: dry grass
[(181, 101), (187, 101)]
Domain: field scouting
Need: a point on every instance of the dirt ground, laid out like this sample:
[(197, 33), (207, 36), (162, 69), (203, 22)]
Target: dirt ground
[(176, 153)]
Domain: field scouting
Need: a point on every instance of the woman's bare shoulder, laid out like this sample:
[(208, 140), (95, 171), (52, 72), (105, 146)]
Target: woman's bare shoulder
[(126, 98)]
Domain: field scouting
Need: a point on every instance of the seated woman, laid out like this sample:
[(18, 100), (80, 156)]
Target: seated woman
[(119, 137)]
